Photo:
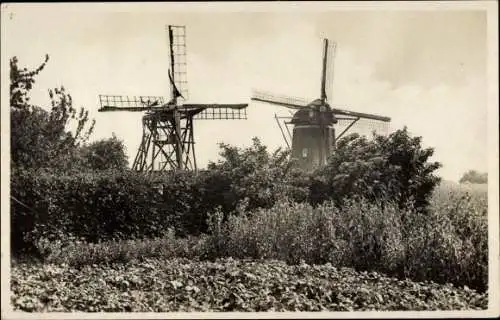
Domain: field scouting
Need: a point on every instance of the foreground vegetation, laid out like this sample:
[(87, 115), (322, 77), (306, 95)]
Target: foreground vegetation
[(181, 285), (376, 208), (447, 245)]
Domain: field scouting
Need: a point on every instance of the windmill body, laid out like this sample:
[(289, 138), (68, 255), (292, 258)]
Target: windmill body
[(313, 136), (167, 141), (314, 123)]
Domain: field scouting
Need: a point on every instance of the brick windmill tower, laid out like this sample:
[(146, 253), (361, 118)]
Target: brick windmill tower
[(168, 124), (314, 136)]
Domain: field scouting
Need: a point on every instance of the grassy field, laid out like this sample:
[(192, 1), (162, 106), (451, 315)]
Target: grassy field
[(291, 257)]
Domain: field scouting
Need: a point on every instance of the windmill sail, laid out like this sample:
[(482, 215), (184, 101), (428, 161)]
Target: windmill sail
[(362, 126), (202, 111), (217, 111), (176, 93), (178, 61), (370, 116), (281, 100), (323, 70), (330, 58), (130, 103)]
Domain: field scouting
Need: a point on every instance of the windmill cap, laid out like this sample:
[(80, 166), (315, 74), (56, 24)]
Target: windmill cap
[(313, 115), (317, 103)]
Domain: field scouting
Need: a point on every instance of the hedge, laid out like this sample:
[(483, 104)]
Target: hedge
[(110, 205), (104, 206)]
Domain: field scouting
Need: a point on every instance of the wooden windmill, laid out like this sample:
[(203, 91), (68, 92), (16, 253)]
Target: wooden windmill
[(314, 138), (167, 140)]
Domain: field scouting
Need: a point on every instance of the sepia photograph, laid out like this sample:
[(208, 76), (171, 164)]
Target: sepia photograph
[(250, 159)]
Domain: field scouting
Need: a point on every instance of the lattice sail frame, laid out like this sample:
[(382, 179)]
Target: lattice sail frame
[(176, 37), (214, 111), (362, 126), (279, 99), (331, 52)]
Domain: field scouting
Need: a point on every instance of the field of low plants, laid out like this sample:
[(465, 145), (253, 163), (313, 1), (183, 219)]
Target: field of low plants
[(182, 285)]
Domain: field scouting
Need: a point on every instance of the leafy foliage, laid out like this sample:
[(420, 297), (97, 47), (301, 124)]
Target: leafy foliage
[(21, 82), (449, 244), (40, 138), (159, 285), (452, 240), (373, 207), (394, 168), (259, 176), (111, 204), (105, 154), (472, 176), (77, 253)]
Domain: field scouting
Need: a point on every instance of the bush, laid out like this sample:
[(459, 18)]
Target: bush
[(451, 243), (472, 176), (104, 206), (80, 253), (359, 235), (259, 176), (393, 168), (447, 245), (442, 245), (114, 204), (105, 154)]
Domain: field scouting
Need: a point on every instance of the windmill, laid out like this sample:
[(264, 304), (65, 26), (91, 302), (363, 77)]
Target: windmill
[(313, 138), (167, 127)]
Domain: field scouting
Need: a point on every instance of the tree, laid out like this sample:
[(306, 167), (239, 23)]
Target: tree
[(258, 175), (473, 176), (21, 82), (40, 138), (393, 168), (104, 154)]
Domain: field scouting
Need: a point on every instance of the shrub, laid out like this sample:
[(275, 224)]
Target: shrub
[(394, 168), (259, 176), (447, 244), (441, 245), (80, 253), (103, 154), (114, 204), (472, 176), (359, 235), (104, 206), (451, 243)]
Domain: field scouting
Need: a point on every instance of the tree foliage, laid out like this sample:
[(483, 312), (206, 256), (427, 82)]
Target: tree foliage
[(41, 138), (394, 168), (21, 82), (104, 154), (473, 176), (259, 175)]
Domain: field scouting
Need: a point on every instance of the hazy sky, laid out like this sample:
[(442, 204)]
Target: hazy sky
[(424, 69)]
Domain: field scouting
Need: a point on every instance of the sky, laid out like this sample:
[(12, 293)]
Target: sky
[(426, 69)]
